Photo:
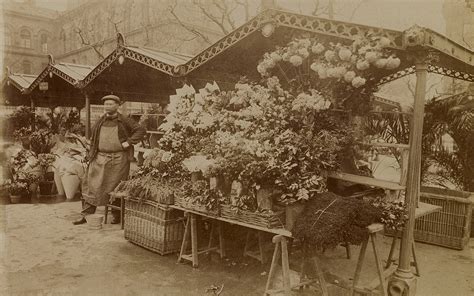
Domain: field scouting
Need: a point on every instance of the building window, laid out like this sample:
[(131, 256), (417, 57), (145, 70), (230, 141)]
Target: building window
[(25, 37), (26, 66), (44, 43)]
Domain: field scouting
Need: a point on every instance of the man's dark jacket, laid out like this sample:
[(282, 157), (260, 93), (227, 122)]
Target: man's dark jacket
[(128, 131)]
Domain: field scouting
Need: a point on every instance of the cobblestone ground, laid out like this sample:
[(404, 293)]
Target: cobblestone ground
[(42, 253)]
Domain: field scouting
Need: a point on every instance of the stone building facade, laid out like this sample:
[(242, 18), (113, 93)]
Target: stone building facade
[(86, 31), (28, 34)]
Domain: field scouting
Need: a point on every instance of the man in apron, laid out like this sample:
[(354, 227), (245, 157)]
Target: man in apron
[(111, 151)]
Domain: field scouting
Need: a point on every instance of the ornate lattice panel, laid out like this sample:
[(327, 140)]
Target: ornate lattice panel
[(100, 68), (397, 75), (335, 28), (451, 73), (291, 20), (38, 79), (64, 76), (151, 62), (226, 42)]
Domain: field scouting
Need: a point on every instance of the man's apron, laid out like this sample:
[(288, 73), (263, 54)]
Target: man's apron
[(107, 169)]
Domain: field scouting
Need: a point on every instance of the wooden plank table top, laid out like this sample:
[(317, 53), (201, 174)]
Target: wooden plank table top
[(277, 231)]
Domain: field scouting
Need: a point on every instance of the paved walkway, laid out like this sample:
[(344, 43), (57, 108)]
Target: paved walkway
[(42, 253)]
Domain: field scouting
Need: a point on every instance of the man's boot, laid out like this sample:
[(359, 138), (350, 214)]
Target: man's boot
[(80, 221)]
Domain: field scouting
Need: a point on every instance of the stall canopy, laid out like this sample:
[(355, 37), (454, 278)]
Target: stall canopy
[(238, 53), (58, 85), (136, 74), (14, 86)]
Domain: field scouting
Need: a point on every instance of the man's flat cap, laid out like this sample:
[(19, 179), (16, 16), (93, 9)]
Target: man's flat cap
[(111, 97)]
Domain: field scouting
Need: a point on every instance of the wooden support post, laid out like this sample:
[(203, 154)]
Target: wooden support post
[(88, 116), (221, 240), (194, 240)]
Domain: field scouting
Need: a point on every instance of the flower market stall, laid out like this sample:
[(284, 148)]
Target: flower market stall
[(265, 130), (244, 153)]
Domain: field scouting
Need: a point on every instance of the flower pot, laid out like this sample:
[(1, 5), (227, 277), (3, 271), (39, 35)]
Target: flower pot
[(236, 190), (292, 213), (49, 176), (264, 198), (15, 199), (59, 184), (71, 185), (196, 176), (94, 221), (33, 188), (46, 187)]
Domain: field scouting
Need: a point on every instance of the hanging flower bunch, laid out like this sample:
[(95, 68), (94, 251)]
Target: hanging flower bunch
[(338, 71)]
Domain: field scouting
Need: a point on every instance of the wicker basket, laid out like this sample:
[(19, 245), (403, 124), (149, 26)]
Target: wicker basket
[(450, 227), (153, 226), (180, 201), (275, 220)]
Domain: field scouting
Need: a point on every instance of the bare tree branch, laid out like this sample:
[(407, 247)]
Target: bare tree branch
[(97, 47), (355, 9), (245, 5), (188, 28), (211, 17)]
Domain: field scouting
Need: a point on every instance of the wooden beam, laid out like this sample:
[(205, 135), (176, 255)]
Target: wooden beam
[(366, 181)]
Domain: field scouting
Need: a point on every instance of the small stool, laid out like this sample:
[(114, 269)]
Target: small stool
[(120, 208)]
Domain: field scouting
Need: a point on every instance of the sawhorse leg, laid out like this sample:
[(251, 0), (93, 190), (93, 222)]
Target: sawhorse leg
[(190, 232), (281, 248), (381, 280), (258, 254)]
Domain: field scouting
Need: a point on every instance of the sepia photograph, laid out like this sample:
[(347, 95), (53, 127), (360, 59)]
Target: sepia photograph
[(237, 147)]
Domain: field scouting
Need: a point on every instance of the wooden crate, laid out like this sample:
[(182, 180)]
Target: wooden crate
[(153, 226), (451, 227)]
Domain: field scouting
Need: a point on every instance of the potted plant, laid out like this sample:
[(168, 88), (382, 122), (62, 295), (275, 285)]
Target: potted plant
[(46, 183), (17, 190)]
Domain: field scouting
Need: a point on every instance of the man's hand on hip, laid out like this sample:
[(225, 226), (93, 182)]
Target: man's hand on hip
[(125, 145)]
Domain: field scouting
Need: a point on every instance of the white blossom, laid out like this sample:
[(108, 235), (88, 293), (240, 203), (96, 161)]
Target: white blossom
[(296, 60), (349, 76), (358, 82), (345, 54), (318, 48)]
